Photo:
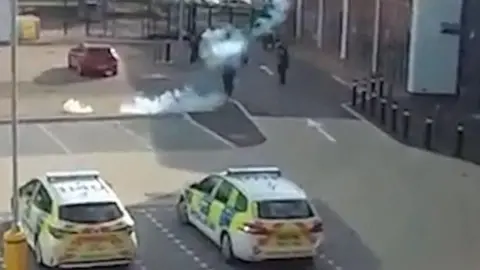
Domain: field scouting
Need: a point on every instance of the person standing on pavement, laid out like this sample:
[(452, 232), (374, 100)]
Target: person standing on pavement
[(283, 60), (194, 47), (228, 77)]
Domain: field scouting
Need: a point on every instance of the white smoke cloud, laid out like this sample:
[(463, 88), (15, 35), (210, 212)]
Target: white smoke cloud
[(218, 48), (176, 101)]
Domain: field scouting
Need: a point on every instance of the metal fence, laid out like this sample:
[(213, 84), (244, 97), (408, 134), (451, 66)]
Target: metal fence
[(132, 19), (322, 23)]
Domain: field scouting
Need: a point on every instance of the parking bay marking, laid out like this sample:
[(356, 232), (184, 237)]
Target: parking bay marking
[(55, 139), (175, 240), (189, 252)]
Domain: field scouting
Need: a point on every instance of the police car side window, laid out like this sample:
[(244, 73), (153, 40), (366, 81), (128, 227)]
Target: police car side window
[(241, 203), (43, 200), (207, 185), (223, 192), (28, 189)]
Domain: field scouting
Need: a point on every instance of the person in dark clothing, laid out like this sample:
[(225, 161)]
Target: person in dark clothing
[(282, 63), (228, 77), (194, 47)]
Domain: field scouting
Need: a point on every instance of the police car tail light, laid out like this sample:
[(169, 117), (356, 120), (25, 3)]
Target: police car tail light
[(254, 228), (127, 229), (59, 233), (317, 227)]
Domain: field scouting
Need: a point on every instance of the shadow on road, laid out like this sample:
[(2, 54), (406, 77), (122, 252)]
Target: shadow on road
[(58, 76), (342, 245), (229, 122)]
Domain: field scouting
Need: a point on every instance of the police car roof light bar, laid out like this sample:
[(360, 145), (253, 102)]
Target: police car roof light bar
[(71, 175), (254, 170)]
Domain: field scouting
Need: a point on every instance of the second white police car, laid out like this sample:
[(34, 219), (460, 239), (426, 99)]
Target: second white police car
[(253, 214), (74, 219)]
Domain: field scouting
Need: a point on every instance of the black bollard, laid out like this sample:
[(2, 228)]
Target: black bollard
[(393, 117), (363, 99), (380, 86), (373, 104), (354, 93), (406, 124), (252, 16), (167, 54), (427, 138), (372, 85), (87, 27), (459, 140), (157, 53), (209, 17), (230, 15), (383, 105)]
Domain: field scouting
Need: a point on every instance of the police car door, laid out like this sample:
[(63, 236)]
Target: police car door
[(40, 209), (25, 197), (218, 217), (201, 200)]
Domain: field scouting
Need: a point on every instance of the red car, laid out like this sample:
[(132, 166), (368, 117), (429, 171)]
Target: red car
[(93, 59)]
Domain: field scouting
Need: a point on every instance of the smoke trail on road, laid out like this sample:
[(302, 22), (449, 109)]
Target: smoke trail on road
[(219, 48)]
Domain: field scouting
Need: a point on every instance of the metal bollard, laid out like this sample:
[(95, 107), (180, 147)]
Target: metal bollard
[(157, 53), (393, 117), (427, 139), (372, 86), (354, 93), (406, 123), (459, 140), (209, 17), (363, 99), (373, 104), (230, 15), (383, 106), (381, 85), (168, 53)]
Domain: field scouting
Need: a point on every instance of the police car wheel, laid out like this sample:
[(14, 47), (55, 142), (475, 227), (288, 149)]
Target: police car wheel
[(182, 212), (226, 248)]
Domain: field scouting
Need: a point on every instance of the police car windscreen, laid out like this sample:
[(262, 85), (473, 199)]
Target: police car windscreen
[(284, 209), (90, 213)]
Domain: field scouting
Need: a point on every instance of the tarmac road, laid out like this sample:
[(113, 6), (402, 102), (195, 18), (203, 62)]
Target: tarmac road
[(385, 205)]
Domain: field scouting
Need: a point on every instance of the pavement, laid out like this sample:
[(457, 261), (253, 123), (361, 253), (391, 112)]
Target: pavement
[(385, 205)]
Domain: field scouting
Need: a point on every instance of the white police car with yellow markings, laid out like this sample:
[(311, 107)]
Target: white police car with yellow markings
[(253, 214), (74, 219)]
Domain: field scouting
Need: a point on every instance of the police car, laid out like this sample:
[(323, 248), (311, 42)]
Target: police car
[(74, 219), (253, 214)]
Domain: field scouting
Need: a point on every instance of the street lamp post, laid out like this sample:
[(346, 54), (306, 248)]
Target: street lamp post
[(14, 241), (13, 108)]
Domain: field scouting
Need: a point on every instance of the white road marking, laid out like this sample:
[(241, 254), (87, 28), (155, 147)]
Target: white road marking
[(266, 69), (338, 268), (177, 241), (330, 262), (340, 80), (346, 107), (55, 139), (321, 129), (228, 143), (322, 256), (136, 136)]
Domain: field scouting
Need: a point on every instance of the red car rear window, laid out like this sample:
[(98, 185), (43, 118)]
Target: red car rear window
[(99, 52)]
